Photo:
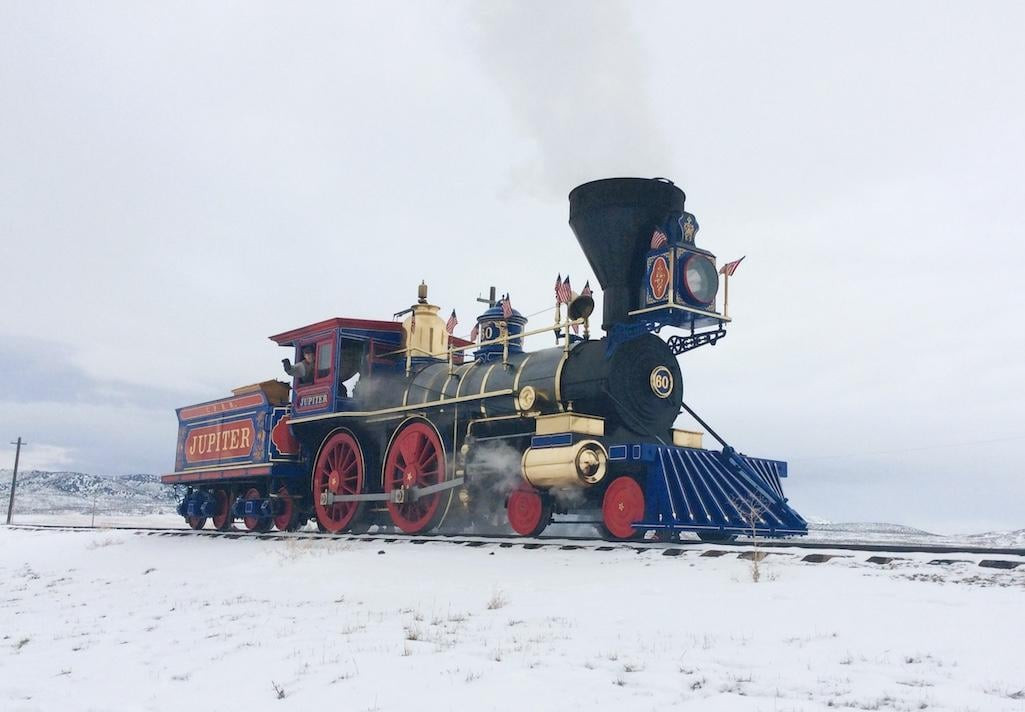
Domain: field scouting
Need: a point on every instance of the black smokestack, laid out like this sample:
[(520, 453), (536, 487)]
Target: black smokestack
[(613, 220)]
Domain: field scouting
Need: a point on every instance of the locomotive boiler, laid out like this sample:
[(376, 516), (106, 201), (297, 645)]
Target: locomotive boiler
[(400, 424)]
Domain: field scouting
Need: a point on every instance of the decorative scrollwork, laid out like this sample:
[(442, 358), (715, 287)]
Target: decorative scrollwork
[(682, 344)]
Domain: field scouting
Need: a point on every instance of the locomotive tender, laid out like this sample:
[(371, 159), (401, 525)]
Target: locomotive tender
[(432, 435)]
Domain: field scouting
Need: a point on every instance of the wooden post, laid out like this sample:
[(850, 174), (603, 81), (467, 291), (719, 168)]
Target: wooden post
[(14, 479)]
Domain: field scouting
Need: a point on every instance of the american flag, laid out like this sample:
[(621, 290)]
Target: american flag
[(658, 239), (586, 291), (730, 267), (506, 307), (475, 332), (450, 325), (563, 292), (558, 289)]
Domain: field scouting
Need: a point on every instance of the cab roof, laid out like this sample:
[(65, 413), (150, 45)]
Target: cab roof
[(360, 329), (353, 328)]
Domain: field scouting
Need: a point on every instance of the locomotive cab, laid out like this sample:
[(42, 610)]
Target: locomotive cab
[(345, 352)]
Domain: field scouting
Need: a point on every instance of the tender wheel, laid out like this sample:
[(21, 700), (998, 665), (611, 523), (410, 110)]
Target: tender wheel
[(529, 510), (622, 506), (196, 522), (256, 524), (287, 520), (224, 519), (416, 458), (340, 469)]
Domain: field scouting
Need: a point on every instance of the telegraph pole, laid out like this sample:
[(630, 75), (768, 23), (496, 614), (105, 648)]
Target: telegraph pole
[(14, 478)]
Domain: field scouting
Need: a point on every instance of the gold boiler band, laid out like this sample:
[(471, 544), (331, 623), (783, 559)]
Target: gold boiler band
[(580, 465)]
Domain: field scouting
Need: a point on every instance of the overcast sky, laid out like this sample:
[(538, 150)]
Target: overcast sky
[(178, 181)]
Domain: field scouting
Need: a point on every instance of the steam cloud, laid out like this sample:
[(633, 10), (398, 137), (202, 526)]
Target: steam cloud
[(573, 75)]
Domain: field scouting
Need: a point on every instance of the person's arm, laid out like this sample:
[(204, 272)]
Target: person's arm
[(304, 372)]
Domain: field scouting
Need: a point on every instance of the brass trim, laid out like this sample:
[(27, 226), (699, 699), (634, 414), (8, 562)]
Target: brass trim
[(654, 380), (484, 384), (397, 409), (429, 389), (444, 386), (442, 355), (674, 305), (216, 468), (687, 438), (558, 378), (464, 377), (519, 371), (559, 467), (569, 423)]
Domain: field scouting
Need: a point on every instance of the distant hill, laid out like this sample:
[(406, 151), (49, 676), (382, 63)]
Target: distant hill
[(60, 492)]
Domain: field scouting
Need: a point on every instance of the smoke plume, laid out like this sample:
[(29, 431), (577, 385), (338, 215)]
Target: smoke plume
[(574, 74)]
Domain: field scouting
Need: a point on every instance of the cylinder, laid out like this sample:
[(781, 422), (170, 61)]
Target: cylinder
[(579, 465)]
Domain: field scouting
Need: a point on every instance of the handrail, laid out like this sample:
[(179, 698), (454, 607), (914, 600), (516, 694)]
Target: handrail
[(502, 339)]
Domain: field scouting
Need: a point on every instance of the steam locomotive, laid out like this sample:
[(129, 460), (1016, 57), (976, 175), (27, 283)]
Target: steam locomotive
[(471, 435)]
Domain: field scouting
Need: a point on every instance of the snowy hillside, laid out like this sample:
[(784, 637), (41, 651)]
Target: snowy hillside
[(210, 623), (74, 492)]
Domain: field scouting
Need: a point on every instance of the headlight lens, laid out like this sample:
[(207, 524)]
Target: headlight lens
[(700, 279)]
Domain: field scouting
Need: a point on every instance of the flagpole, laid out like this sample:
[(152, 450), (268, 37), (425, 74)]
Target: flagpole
[(726, 298)]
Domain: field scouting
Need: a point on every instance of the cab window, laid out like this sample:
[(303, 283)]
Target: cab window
[(324, 359)]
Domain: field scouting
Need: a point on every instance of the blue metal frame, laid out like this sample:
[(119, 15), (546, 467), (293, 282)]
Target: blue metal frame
[(688, 489)]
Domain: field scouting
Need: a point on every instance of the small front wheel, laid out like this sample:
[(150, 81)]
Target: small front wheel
[(529, 510), (622, 507)]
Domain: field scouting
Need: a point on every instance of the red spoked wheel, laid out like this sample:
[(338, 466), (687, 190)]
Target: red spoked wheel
[(529, 510), (622, 506), (196, 522), (285, 521), (340, 470), (416, 458), (224, 519), (256, 523)]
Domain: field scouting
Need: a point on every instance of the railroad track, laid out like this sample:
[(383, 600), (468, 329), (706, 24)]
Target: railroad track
[(814, 551)]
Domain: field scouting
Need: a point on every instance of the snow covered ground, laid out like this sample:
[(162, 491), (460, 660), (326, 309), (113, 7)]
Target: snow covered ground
[(112, 620)]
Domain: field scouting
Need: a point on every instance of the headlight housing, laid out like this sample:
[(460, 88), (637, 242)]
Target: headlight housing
[(700, 280)]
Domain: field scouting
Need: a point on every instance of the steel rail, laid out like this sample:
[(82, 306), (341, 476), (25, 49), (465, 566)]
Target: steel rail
[(570, 542)]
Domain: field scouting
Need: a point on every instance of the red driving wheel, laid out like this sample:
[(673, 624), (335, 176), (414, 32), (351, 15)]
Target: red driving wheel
[(416, 458), (529, 510), (285, 521), (196, 522), (340, 470), (622, 506), (255, 523), (223, 519)]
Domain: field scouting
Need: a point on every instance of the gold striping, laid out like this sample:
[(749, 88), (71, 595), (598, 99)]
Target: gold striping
[(519, 372), (217, 468), (463, 376), (429, 389), (397, 409), (702, 312), (483, 385), (558, 378)]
